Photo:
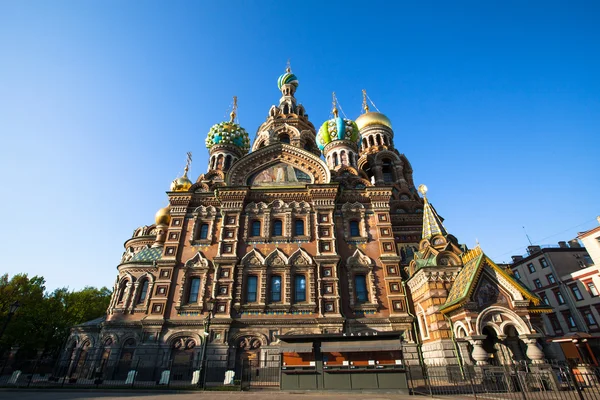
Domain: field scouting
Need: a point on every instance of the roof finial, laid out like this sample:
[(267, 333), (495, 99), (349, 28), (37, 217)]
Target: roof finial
[(423, 190), (188, 162), (288, 67), (233, 113), (334, 101), (365, 106)]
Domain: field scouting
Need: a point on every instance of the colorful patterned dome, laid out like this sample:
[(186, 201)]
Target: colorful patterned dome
[(337, 128), (287, 79), (228, 133)]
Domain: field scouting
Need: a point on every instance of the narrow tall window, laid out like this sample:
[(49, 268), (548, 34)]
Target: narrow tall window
[(576, 292), (559, 297), (122, 291), (543, 262), (589, 317), (360, 284), (299, 227), (255, 228), (531, 268), (300, 288), (275, 288), (277, 227), (204, 231), (143, 291), (251, 288), (194, 290), (551, 279), (537, 283), (517, 274), (335, 160), (354, 231), (592, 289), (386, 171), (545, 299)]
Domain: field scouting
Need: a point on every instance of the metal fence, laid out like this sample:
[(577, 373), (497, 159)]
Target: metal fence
[(97, 373), (510, 382)]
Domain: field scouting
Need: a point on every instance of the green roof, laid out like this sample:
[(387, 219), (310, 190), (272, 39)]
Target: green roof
[(147, 255)]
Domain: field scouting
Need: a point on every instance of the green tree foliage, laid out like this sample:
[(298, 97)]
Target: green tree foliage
[(44, 319)]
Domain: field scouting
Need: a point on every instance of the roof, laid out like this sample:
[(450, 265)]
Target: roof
[(432, 223), (147, 255), (474, 261), (427, 262), (93, 322)]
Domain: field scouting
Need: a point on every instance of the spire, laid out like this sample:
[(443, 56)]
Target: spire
[(365, 105), (432, 223), (233, 113), (334, 101)]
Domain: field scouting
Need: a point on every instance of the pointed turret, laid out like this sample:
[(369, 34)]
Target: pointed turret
[(432, 223)]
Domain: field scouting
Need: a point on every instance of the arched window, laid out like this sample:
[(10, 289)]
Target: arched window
[(371, 141), (277, 228), (194, 290), (251, 288), (351, 158), (354, 231), (283, 138), (122, 289), (220, 161), (275, 288), (204, 231), (143, 291), (307, 146), (299, 227), (365, 145), (386, 170), (335, 160), (360, 286), (227, 162), (378, 140), (255, 228), (299, 288)]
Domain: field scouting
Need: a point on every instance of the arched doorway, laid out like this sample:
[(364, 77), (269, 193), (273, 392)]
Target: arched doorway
[(182, 358), (124, 364), (248, 350), (514, 345), (489, 345)]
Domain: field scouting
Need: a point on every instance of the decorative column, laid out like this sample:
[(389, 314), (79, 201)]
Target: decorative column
[(533, 351), (479, 354)]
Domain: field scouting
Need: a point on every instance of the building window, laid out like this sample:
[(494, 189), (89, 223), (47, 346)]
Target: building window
[(386, 171), (122, 289), (531, 268), (543, 262), (284, 139), (194, 290), (551, 279), (517, 275), (354, 231), (589, 317), (571, 321), (545, 299), (554, 322), (204, 231), (299, 227), (275, 288), (251, 288), (559, 297), (143, 291), (576, 292), (360, 284), (299, 288), (255, 228), (592, 289), (537, 283), (277, 228)]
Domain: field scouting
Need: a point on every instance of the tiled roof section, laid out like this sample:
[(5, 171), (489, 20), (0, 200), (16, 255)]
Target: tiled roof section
[(466, 281), (432, 223), (428, 262), (147, 255)]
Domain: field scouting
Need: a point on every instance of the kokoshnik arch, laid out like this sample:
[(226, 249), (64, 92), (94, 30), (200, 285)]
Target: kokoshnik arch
[(306, 231)]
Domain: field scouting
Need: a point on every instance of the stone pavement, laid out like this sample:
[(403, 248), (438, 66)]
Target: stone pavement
[(254, 395)]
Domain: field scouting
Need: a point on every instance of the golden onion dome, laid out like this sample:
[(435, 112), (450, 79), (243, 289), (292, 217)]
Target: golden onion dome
[(372, 118), (182, 184), (163, 216)]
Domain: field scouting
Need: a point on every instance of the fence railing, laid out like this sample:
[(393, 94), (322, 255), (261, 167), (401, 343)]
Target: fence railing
[(97, 373), (510, 382)]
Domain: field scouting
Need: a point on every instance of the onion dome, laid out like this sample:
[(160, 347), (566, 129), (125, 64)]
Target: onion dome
[(337, 128), (371, 118), (163, 216), (181, 184), (229, 133), (287, 79)]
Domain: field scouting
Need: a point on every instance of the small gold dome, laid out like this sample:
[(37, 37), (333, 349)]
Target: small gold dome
[(182, 184), (163, 216), (372, 118)]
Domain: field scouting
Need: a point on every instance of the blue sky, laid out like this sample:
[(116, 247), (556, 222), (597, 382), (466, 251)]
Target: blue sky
[(496, 104)]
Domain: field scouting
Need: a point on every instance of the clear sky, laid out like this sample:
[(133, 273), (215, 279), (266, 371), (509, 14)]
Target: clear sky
[(495, 103)]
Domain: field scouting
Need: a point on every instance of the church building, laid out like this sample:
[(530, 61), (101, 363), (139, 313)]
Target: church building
[(305, 231)]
